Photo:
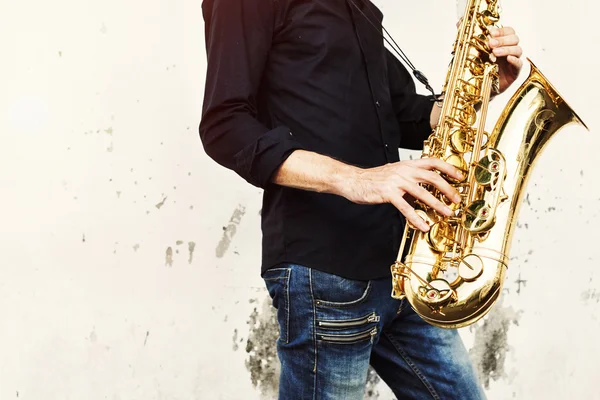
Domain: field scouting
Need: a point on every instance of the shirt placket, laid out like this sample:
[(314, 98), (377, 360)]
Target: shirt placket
[(373, 60)]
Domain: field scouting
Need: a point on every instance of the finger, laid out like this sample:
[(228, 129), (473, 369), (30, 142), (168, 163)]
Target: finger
[(504, 31), (440, 183), (426, 197), (516, 51), (442, 166), (409, 213), (511, 40), (517, 62)]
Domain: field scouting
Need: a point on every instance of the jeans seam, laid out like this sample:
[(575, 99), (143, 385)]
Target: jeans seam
[(287, 306), (314, 332), (413, 367), (401, 307)]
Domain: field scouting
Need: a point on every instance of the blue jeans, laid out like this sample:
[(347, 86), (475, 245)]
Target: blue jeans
[(332, 329)]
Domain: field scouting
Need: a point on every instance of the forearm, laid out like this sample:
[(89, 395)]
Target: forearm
[(436, 113), (315, 172)]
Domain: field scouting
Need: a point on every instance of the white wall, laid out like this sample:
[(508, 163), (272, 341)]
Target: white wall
[(129, 260)]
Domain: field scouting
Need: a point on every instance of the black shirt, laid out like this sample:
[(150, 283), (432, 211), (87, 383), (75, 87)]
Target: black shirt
[(314, 75)]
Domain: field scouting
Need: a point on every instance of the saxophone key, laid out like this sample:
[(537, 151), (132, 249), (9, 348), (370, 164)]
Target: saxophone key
[(470, 267)]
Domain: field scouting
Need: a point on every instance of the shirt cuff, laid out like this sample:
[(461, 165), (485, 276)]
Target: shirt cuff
[(418, 129), (423, 107), (259, 161)]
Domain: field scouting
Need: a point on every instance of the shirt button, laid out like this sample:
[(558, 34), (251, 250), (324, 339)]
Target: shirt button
[(377, 104), (386, 145)]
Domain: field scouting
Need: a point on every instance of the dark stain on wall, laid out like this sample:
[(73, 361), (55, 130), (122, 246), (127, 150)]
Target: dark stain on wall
[(491, 343), (169, 257), (591, 295), (161, 203), (230, 230), (519, 226), (521, 283), (261, 346), (373, 380), (191, 248), (235, 340), (169, 254)]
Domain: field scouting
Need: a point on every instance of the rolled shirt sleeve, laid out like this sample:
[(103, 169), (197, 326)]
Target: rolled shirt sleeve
[(238, 36), (413, 110)]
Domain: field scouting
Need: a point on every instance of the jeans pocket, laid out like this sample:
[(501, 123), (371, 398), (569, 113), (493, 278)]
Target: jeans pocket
[(331, 290), (277, 281)]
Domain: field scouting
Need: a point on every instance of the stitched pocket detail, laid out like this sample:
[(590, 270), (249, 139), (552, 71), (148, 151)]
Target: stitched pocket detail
[(277, 281), (346, 339), (337, 292), (348, 323)]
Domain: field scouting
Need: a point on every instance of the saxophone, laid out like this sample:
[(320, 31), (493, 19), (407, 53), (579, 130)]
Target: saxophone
[(453, 274)]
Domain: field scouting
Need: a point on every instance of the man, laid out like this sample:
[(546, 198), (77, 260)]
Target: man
[(303, 100)]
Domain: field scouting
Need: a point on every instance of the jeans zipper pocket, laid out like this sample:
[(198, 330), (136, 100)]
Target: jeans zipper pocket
[(350, 323), (349, 339)]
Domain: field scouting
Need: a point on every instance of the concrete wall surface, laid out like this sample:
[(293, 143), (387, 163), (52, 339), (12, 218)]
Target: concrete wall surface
[(129, 259)]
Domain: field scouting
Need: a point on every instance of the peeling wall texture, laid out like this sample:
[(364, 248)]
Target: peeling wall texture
[(130, 261)]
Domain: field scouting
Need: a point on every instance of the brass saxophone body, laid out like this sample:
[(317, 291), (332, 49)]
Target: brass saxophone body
[(454, 274)]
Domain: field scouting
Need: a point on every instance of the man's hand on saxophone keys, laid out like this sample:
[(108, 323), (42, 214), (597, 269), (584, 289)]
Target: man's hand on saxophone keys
[(504, 43), (398, 183)]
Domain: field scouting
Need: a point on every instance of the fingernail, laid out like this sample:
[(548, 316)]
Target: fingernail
[(457, 198), (493, 31), (493, 42), (499, 51), (447, 211)]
